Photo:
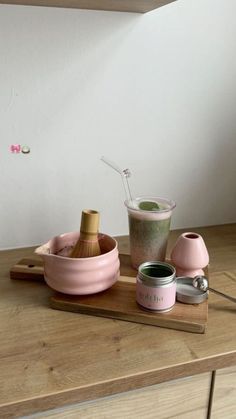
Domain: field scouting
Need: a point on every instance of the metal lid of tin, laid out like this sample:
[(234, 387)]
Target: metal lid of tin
[(187, 293), (156, 273)]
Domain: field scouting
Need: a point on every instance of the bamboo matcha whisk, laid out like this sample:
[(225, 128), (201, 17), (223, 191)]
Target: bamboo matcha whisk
[(87, 244)]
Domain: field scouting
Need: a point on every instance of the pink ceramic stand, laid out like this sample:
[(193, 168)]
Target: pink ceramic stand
[(190, 255)]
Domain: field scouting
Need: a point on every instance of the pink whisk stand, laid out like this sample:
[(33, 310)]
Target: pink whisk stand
[(190, 255)]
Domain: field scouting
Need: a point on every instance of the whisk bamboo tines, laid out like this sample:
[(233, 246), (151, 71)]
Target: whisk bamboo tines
[(87, 244)]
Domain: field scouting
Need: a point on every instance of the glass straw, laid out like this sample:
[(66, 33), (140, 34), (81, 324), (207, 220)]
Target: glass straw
[(125, 174)]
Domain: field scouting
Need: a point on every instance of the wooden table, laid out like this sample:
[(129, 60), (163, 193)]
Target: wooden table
[(51, 359)]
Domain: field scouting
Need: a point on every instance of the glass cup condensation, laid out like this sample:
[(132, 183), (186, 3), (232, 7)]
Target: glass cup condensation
[(149, 229)]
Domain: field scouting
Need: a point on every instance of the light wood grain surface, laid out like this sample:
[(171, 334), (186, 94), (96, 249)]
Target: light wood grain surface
[(138, 6), (224, 399), (119, 302), (51, 358), (180, 399)]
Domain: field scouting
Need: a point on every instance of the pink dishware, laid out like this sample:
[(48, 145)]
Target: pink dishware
[(190, 255), (79, 276)]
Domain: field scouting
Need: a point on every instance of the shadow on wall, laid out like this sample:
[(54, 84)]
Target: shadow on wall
[(221, 178), (212, 191)]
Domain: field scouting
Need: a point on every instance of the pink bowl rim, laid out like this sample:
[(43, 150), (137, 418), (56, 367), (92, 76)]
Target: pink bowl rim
[(100, 236)]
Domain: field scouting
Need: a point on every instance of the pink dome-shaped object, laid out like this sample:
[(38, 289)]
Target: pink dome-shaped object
[(190, 255)]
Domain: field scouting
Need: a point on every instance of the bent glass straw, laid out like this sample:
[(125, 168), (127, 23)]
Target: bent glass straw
[(125, 174)]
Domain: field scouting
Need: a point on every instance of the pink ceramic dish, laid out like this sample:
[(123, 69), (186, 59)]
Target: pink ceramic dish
[(79, 276)]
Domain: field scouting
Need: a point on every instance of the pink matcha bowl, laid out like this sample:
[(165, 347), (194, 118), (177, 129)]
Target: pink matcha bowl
[(79, 276)]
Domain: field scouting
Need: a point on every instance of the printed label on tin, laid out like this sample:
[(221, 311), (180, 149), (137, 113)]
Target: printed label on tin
[(155, 298)]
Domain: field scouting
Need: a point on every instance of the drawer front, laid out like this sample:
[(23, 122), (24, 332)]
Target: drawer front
[(185, 398), (224, 397)]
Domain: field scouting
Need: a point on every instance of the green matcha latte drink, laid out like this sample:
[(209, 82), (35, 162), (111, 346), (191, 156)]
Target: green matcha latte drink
[(149, 226)]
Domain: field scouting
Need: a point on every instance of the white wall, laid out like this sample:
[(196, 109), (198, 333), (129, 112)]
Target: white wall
[(154, 92)]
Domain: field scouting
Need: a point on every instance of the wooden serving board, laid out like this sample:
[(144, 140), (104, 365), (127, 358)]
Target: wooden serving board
[(118, 302)]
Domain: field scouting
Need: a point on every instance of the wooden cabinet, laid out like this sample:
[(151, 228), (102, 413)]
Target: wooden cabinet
[(186, 398), (224, 396), (137, 6), (114, 369)]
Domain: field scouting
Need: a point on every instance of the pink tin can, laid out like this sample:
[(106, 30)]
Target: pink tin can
[(156, 286)]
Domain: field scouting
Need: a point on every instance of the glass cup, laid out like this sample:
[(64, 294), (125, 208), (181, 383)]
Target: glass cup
[(149, 226)]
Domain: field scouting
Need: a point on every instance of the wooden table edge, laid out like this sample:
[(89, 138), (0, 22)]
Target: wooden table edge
[(118, 385)]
